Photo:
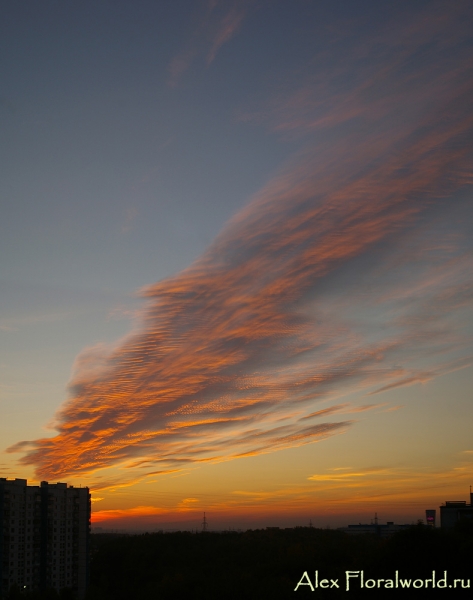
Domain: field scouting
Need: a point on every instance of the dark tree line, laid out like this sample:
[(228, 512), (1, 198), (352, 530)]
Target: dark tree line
[(270, 563)]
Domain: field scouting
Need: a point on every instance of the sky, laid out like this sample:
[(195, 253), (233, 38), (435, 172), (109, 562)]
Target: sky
[(236, 258)]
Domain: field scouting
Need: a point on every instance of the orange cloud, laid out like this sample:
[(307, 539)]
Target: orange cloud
[(349, 475), (101, 516), (294, 303), (187, 504)]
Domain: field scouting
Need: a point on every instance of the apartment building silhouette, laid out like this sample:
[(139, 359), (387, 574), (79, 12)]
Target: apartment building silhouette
[(456, 510), (44, 536)]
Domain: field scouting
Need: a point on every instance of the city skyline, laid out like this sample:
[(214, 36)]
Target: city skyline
[(237, 259)]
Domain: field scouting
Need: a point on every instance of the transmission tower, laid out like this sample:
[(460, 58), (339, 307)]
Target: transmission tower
[(204, 524)]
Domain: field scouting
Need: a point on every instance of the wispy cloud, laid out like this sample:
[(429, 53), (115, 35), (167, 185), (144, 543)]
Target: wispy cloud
[(306, 293), (217, 25), (188, 504), (391, 484), (349, 475), (425, 376), (386, 488), (101, 516), (228, 26)]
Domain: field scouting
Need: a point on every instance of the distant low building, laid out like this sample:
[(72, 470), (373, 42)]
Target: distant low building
[(374, 528), (455, 510), (44, 536)]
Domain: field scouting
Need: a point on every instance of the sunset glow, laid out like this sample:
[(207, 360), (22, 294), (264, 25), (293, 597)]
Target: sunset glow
[(306, 352)]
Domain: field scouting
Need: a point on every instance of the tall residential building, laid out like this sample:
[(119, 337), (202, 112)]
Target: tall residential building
[(44, 536)]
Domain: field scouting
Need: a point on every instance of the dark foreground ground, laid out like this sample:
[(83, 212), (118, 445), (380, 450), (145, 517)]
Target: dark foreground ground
[(270, 563)]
